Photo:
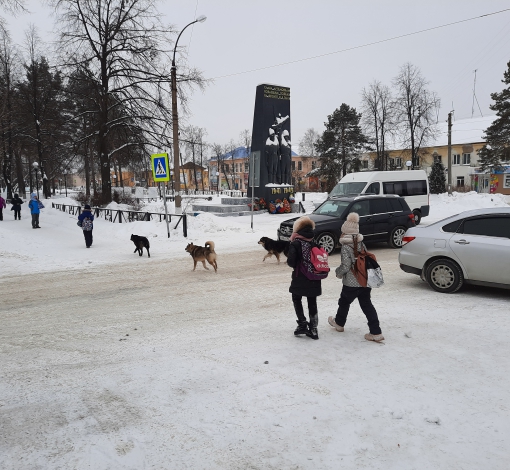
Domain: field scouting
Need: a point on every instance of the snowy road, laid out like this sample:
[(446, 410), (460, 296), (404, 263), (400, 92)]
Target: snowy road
[(149, 365)]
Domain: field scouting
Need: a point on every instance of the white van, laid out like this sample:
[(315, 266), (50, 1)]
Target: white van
[(412, 185)]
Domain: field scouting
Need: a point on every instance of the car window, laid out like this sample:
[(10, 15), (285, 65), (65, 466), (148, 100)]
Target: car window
[(332, 208), (342, 189), (452, 227), (397, 187), (395, 204), (487, 226), (416, 188), (379, 206), (374, 188), (361, 207)]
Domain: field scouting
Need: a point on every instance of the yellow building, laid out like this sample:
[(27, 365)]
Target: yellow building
[(466, 140)]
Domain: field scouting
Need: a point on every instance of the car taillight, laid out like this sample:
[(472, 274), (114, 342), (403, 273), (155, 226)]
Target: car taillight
[(411, 216), (407, 239)]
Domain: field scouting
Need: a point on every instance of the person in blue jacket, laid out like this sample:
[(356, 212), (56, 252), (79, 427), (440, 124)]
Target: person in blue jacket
[(85, 221), (34, 210)]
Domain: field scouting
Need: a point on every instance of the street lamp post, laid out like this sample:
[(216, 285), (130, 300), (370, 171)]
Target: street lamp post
[(175, 122), (65, 181), (36, 167)]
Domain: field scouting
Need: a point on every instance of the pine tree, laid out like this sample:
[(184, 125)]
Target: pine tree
[(437, 178), (497, 135), (340, 145)]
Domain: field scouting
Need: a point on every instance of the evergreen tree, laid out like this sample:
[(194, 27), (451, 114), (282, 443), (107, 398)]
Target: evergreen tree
[(437, 178), (497, 135), (340, 145)]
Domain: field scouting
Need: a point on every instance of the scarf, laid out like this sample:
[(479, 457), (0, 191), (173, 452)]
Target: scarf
[(296, 235)]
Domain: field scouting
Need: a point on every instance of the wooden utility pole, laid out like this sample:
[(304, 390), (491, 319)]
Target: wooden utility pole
[(450, 153)]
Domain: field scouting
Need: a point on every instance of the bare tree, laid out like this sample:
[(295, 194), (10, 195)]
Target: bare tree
[(8, 73), (221, 158), (193, 138), (415, 108), (378, 119), (307, 145), (123, 46), (13, 6)]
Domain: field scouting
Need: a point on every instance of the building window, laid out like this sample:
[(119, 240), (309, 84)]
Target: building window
[(293, 165), (299, 166), (506, 181), (364, 164), (466, 159), (313, 165), (456, 159), (246, 167), (460, 181), (398, 162), (237, 168), (438, 158)]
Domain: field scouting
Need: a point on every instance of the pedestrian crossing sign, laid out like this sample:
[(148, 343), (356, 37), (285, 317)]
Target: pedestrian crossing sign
[(160, 167)]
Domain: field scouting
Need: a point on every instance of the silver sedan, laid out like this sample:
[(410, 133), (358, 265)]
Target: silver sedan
[(468, 248)]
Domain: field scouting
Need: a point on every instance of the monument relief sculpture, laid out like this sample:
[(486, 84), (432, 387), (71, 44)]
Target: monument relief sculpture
[(285, 158), (272, 157)]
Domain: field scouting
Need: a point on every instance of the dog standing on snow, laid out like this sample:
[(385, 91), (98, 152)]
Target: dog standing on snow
[(274, 247), (203, 254), (141, 243)]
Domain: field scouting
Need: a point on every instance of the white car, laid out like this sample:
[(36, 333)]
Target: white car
[(469, 248)]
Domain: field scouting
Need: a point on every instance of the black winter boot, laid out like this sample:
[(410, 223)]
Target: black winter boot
[(312, 331), (302, 328)]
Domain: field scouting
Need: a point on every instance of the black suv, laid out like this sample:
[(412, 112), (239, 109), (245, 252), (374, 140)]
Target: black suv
[(381, 219)]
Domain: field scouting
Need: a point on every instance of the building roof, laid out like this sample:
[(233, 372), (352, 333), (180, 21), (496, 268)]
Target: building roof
[(240, 152), (191, 166)]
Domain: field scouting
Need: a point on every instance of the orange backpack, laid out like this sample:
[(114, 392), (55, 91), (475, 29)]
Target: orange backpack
[(359, 268)]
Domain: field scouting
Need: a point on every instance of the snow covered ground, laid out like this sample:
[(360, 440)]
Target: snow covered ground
[(112, 361)]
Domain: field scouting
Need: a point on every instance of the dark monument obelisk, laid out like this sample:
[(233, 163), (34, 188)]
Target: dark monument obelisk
[(271, 137)]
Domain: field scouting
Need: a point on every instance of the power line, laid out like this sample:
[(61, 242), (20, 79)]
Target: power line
[(363, 45)]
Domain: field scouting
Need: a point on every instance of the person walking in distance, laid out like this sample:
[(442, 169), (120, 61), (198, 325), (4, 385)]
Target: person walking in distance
[(85, 221), (352, 243), (2, 207), (300, 286), (16, 202), (34, 210)]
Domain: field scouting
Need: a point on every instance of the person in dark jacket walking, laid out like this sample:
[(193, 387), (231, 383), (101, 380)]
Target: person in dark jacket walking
[(16, 202), (300, 285), (85, 221), (352, 243), (34, 210), (2, 207)]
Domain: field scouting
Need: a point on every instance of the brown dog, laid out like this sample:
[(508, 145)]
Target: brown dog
[(274, 247), (200, 253)]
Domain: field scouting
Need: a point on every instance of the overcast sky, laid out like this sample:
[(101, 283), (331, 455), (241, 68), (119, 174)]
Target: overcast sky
[(242, 35)]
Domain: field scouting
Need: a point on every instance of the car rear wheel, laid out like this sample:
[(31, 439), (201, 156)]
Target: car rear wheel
[(396, 235), (326, 240), (445, 276), (417, 216)]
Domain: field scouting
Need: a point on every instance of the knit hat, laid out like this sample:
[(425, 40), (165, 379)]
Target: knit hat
[(303, 222), (351, 225), (87, 207), (33, 195)]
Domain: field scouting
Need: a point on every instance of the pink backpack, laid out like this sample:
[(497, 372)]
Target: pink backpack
[(314, 264)]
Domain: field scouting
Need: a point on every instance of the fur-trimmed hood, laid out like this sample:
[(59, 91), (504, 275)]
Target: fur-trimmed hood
[(302, 223)]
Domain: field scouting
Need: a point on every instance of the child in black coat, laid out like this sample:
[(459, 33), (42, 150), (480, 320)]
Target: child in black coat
[(300, 285), (16, 202)]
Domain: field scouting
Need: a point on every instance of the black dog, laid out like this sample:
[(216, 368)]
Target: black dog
[(141, 243), (274, 247)]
